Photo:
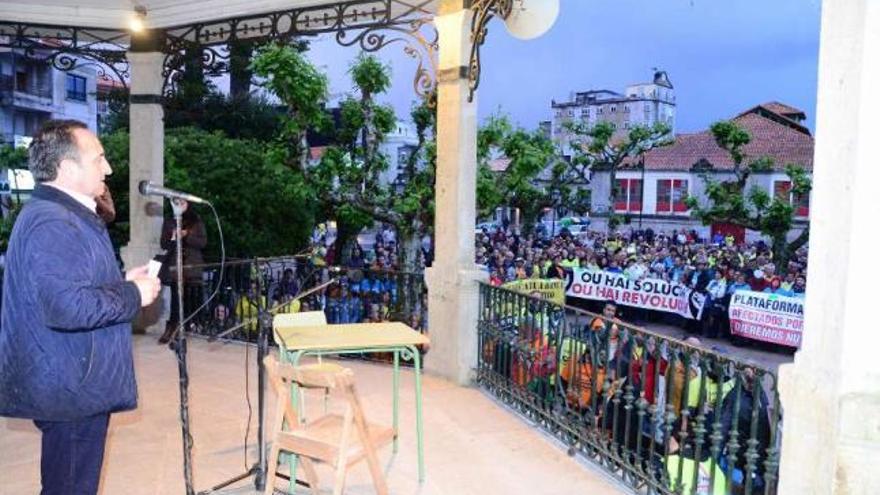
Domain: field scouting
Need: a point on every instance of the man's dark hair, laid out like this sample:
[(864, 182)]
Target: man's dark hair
[(52, 143)]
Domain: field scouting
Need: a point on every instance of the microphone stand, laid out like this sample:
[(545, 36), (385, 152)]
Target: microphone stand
[(264, 318), (179, 347)]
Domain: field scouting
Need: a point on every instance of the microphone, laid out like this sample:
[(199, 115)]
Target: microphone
[(147, 188)]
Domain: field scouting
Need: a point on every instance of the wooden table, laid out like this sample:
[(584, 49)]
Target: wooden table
[(393, 337)]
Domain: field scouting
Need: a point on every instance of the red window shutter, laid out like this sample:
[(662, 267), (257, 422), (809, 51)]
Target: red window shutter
[(679, 194), (635, 195), (803, 205), (664, 196), (621, 187), (782, 190)]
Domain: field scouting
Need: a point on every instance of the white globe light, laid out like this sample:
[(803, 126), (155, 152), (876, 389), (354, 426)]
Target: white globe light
[(529, 19)]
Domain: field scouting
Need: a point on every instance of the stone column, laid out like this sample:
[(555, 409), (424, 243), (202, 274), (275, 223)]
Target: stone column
[(831, 393), (146, 149), (453, 302)]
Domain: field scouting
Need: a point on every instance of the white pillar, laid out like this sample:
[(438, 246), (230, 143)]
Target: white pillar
[(831, 393), (146, 149), (453, 302)]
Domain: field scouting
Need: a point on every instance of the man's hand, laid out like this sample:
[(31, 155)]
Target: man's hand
[(139, 272), (148, 286)]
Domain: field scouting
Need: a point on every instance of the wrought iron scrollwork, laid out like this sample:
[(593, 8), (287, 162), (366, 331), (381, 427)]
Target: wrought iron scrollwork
[(70, 48), (418, 45), (484, 11), (368, 24)]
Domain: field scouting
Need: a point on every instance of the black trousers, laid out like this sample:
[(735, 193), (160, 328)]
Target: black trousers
[(73, 452), (192, 299)]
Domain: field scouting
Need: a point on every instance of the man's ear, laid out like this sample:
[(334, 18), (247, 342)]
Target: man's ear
[(65, 167)]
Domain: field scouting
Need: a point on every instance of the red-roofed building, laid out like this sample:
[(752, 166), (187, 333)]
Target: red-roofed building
[(655, 196)]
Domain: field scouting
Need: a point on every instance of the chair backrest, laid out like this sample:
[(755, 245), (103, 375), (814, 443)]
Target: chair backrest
[(304, 319)]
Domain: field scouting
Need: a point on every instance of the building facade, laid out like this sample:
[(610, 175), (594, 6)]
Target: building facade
[(654, 196), (641, 104), (32, 92)]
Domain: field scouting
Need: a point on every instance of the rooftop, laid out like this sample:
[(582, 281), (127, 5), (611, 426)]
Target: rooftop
[(773, 135), (473, 445)]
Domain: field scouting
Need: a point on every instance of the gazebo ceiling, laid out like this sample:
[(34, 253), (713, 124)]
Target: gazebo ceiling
[(74, 33), (118, 14)]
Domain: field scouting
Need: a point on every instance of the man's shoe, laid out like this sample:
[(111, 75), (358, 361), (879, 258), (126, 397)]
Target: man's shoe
[(169, 331)]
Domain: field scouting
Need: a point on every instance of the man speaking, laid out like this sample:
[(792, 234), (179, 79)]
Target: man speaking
[(65, 328)]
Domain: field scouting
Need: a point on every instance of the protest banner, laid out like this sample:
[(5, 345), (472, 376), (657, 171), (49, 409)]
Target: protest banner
[(649, 293), (767, 317), (551, 289)]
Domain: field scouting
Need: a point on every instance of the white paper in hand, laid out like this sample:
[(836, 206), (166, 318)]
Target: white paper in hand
[(153, 268)]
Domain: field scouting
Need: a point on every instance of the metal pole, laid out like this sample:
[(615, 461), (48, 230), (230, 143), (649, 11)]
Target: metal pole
[(642, 202), (180, 350), (265, 326)]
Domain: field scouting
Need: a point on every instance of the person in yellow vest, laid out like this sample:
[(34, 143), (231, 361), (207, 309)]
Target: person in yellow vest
[(519, 269), (247, 307), (703, 476)]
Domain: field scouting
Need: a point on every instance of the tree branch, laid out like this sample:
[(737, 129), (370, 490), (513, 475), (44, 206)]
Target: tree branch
[(357, 201), (800, 240)]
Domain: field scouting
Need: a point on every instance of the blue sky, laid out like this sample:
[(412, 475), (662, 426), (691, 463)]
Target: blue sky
[(723, 56)]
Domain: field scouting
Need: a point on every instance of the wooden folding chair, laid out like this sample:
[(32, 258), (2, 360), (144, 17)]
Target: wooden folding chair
[(303, 319), (334, 439)]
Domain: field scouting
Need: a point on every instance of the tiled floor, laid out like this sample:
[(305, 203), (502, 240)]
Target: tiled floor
[(473, 445)]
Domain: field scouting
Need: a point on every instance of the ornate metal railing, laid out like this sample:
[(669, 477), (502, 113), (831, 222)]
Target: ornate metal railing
[(663, 416), (248, 286)]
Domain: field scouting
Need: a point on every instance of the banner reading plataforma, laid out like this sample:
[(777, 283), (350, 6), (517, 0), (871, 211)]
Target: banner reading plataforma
[(767, 317), (551, 289), (649, 293)]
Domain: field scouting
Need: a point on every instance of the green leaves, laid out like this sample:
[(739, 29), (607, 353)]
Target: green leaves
[(11, 157), (603, 147), (266, 208), (301, 88), (370, 76), (529, 153), (732, 138), (733, 201)]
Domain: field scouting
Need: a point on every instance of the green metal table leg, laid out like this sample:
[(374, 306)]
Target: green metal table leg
[(396, 381), (417, 369)]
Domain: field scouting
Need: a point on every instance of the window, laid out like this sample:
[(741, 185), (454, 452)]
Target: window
[(628, 195), (613, 109), (801, 203), (76, 87), (671, 194), (22, 82)]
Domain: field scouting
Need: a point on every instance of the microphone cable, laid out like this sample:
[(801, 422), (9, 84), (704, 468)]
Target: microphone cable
[(183, 323)]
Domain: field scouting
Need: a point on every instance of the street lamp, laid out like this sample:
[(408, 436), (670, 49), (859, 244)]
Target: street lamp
[(642, 187)]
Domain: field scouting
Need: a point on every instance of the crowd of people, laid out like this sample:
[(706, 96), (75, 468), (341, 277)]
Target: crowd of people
[(716, 267), (603, 372)]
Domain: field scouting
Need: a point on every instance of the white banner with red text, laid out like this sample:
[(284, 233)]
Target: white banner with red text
[(649, 293), (767, 317)]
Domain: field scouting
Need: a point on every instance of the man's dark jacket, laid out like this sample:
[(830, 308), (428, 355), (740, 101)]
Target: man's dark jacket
[(65, 332)]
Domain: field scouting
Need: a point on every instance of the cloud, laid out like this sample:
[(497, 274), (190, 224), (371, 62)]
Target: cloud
[(723, 57)]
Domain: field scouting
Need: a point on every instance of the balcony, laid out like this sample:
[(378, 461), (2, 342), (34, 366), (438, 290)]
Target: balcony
[(26, 96), (539, 422), (473, 445)]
